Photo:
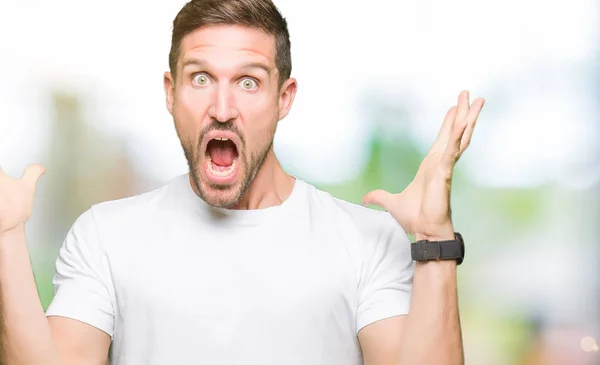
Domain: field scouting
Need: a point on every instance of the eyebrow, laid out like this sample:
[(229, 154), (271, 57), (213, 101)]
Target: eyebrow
[(257, 65), (246, 66)]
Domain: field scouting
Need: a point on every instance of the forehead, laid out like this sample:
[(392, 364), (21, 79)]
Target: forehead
[(228, 45)]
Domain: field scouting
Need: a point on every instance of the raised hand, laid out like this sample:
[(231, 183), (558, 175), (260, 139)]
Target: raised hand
[(16, 197), (423, 208)]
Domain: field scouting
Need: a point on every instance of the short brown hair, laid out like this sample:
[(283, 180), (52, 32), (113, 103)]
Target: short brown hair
[(258, 14)]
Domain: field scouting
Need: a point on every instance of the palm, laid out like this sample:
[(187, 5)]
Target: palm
[(424, 206), (16, 197)]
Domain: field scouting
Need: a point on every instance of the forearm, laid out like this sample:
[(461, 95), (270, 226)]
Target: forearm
[(432, 333), (25, 334)]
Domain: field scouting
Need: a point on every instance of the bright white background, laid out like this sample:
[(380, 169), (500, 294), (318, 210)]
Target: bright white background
[(530, 59)]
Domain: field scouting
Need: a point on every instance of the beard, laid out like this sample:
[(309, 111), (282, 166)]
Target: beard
[(221, 195)]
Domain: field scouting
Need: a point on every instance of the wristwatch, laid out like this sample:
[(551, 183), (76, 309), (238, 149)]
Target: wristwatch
[(424, 250)]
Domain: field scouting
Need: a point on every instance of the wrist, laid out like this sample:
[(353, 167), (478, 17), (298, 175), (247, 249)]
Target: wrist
[(435, 232), (438, 235), (437, 272), (12, 233), (438, 265)]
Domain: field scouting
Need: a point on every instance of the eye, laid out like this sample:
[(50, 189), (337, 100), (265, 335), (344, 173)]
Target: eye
[(248, 84), (201, 79)]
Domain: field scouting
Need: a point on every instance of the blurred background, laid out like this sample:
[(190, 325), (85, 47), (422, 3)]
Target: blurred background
[(82, 93)]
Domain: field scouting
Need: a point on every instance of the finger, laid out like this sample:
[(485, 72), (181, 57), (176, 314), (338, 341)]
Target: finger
[(380, 198), (463, 106), (446, 130), (32, 174), (472, 117), (452, 152)]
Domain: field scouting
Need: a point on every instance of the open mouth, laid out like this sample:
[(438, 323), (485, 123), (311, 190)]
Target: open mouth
[(222, 157)]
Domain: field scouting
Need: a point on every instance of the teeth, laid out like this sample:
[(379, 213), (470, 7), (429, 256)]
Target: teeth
[(222, 139)]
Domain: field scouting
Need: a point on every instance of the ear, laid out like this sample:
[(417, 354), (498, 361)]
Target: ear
[(286, 97), (169, 85)]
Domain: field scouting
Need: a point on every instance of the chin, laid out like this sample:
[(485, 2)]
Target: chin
[(217, 193), (221, 198)]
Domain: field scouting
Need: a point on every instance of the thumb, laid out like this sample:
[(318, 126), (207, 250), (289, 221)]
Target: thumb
[(32, 174), (380, 198)]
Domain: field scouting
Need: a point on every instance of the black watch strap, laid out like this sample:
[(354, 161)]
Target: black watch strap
[(439, 250)]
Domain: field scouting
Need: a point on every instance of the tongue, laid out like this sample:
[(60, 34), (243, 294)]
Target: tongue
[(221, 153)]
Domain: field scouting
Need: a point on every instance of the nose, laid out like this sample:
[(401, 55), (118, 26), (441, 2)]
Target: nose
[(223, 107)]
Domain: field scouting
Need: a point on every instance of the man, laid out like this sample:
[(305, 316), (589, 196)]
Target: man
[(238, 262)]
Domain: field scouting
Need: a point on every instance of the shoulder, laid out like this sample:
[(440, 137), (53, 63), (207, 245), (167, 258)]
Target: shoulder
[(138, 207), (369, 224), (373, 239)]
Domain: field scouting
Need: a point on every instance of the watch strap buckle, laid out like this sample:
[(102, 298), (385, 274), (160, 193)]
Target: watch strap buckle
[(426, 250)]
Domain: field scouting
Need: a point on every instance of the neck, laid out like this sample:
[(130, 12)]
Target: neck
[(271, 186)]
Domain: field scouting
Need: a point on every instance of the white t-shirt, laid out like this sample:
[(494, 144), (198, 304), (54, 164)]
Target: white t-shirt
[(175, 281)]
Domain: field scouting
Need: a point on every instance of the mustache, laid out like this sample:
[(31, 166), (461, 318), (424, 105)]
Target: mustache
[(215, 125)]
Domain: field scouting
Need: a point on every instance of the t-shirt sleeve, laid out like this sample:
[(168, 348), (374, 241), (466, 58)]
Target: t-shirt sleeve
[(82, 284), (386, 276)]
